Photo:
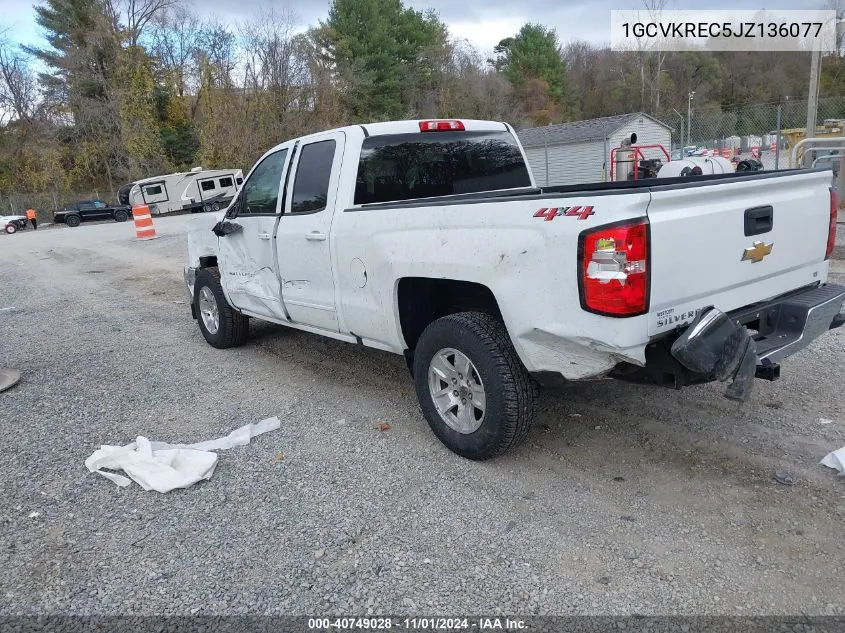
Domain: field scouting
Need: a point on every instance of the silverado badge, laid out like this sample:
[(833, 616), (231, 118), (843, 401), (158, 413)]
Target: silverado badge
[(757, 252)]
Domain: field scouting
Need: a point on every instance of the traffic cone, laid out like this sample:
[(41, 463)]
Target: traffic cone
[(144, 229)]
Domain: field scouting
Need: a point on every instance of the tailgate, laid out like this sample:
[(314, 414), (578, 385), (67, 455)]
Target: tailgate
[(728, 244)]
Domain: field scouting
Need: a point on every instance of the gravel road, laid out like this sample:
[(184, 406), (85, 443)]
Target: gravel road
[(625, 499)]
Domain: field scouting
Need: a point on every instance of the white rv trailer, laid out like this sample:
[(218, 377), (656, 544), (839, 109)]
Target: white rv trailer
[(197, 190)]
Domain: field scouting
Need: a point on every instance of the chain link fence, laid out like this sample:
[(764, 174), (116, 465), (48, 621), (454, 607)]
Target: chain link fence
[(766, 132), (46, 202)]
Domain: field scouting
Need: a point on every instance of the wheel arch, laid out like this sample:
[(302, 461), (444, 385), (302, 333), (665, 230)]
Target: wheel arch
[(422, 300)]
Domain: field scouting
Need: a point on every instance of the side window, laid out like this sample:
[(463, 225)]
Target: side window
[(207, 185), (99, 204), (261, 190), (311, 187), (240, 181), (152, 190), (225, 182)]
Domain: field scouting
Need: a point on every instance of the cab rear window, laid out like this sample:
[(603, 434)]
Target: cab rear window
[(399, 167)]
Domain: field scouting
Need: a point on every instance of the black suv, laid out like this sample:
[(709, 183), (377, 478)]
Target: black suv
[(84, 210)]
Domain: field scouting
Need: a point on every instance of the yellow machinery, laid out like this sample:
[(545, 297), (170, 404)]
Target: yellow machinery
[(831, 128)]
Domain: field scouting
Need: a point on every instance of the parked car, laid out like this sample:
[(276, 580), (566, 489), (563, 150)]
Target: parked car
[(12, 223), (86, 210), (431, 239)]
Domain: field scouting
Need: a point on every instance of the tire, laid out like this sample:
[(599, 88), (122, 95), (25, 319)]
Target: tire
[(121, 216), (232, 327), (206, 207), (11, 228), (215, 207), (73, 221), (509, 392)]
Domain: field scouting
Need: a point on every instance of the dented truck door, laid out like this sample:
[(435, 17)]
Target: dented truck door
[(246, 240)]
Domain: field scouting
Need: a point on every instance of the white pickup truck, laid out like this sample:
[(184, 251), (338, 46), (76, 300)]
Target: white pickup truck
[(432, 240)]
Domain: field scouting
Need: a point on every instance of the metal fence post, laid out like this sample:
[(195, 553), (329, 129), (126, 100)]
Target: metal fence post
[(813, 98), (546, 146), (777, 147)]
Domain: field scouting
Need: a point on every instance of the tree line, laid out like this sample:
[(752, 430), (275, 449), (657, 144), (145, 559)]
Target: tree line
[(134, 88)]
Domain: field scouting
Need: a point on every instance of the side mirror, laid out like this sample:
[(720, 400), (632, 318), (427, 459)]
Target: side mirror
[(223, 228)]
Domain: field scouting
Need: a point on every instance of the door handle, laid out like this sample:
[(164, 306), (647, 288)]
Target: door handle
[(264, 236), (316, 236)]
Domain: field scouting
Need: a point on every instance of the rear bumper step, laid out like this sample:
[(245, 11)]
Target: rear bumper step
[(788, 325), (744, 344)]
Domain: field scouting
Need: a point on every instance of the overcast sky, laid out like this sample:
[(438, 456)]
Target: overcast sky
[(482, 22)]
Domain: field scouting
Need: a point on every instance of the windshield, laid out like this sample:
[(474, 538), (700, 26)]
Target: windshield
[(423, 165)]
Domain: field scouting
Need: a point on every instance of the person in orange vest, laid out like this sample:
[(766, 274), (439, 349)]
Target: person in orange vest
[(30, 215)]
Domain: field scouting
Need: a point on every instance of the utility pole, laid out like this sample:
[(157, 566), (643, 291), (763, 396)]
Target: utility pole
[(813, 96)]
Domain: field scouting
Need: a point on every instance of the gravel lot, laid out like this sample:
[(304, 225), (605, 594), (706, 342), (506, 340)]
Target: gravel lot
[(625, 499)]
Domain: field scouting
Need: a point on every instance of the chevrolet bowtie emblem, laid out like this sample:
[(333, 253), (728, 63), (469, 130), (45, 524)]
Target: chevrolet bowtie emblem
[(757, 252)]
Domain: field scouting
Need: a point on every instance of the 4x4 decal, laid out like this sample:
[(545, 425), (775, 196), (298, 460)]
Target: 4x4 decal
[(582, 213)]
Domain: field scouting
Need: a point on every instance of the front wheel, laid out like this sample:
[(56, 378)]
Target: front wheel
[(474, 391), (220, 324), (11, 228), (73, 221), (121, 216)]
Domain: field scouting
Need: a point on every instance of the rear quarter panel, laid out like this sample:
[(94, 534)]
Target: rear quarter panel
[(529, 263)]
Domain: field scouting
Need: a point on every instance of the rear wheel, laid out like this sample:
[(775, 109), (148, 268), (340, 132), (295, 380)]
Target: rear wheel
[(215, 207), (121, 216), (472, 387), (73, 220), (207, 207), (11, 228), (220, 324)]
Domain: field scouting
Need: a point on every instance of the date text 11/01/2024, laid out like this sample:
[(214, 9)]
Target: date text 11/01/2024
[(417, 624)]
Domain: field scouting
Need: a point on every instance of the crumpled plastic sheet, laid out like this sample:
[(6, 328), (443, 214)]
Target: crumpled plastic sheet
[(835, 460), (164, 467)]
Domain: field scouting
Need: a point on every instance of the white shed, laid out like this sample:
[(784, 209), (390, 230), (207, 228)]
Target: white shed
[(579, 152)]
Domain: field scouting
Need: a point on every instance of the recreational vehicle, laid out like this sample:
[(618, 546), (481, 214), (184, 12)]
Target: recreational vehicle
[(194, 191)]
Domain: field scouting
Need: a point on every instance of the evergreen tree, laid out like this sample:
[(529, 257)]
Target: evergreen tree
[(533, 54), (377, 47), (84, 46)]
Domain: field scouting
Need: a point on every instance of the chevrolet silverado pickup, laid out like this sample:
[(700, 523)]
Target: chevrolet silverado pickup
[(431, 239)]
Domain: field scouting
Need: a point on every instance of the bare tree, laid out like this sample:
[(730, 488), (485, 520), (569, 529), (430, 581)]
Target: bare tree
[(137, 14), (655, 9), (18, 84), (269, 46), (174, 41)]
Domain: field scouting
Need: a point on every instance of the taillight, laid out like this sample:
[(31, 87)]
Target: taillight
[(831, 231), (443, 125), (613, 269)]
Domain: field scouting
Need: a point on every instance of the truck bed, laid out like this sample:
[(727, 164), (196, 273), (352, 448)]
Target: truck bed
[(593, 188)]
